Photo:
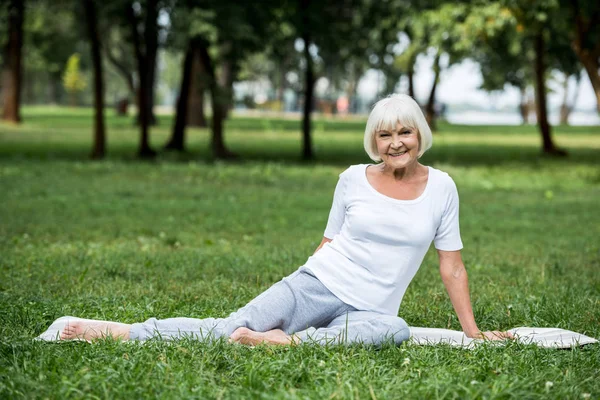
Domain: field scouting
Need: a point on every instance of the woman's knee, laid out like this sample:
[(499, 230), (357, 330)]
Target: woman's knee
[(372, 327), (395, 328)]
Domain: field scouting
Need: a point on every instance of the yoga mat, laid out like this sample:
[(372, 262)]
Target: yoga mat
[(543, 337)]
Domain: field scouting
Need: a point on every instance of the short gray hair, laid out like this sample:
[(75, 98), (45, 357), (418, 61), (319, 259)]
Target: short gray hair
[(387, 113)]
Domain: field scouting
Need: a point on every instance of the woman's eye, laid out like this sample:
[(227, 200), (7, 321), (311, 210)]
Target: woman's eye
[(406, 133)]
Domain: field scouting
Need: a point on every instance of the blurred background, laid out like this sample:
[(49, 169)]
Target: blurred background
[(505, 62)]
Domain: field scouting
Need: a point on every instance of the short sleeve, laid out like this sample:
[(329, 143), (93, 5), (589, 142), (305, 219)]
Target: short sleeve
[(447, 236), (338, 208)]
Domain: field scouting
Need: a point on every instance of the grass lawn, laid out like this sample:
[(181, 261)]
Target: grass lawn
[(184, 235)]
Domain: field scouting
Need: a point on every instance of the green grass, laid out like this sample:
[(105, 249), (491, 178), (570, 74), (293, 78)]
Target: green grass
[(186, 235)]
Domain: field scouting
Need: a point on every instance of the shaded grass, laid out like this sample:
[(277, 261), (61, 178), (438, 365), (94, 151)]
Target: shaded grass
[(57, 133), (186, 236)]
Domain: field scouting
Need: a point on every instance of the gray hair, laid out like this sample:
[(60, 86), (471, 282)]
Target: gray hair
[(387, 113)]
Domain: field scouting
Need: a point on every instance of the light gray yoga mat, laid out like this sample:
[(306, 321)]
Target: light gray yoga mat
[(543, 337)]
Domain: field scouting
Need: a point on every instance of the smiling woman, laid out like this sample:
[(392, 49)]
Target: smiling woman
[(383, 220), (386, 117)]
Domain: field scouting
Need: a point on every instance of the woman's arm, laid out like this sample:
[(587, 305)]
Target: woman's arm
[(325, 240), (454, 276)]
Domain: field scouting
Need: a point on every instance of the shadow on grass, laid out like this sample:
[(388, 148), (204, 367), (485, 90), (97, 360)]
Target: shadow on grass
[(330, 153), (336, 142), (82, 120)]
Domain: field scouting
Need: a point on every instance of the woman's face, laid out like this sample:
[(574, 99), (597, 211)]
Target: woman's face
[(398, 148)]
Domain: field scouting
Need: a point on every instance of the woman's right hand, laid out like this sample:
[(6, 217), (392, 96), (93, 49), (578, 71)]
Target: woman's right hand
[(325, 240), (494, 335)]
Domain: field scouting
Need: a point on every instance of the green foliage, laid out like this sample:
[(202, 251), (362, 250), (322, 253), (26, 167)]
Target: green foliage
[(73, 79), (498, 45), (500, 40), (184, 236), (51, 35)]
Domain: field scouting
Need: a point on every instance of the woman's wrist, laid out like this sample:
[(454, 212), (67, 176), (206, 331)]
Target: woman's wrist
[(472, 332)]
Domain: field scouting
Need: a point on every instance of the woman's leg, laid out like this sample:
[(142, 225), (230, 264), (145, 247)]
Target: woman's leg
[(359, 327), (292, 304), (89, 329), (315, 306), (266, 311)]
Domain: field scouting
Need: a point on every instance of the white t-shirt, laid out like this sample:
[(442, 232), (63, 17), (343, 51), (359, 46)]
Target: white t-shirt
[(378, 242)]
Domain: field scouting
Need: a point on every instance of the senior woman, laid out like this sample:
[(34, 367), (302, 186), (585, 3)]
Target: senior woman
[(383, 219)]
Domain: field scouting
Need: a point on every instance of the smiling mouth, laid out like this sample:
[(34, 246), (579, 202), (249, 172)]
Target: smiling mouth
[(398, 154)]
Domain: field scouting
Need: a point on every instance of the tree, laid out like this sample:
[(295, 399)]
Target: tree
[(144, 55), (99, 146), (340, 36), (533, 22), (119, 55), (52, 33), (407, 59), (150, 35), (441, 29), (197, 88), (584, 31), (177, 140), (309, 78), (12, 74), (226, 34), (496, 43), (521, 31), (568, 103), (503, 62), (73, 80), (280, 50), (562, 59)]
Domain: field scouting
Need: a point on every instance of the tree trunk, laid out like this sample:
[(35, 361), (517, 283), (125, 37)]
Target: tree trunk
[(196, 115), (151, 44), (217, 99), (51, 90), (225, 79), (411, 82), (11, 77), (351, 94), (351, 88), (565, 108), (592, 66), (144, 151), (430, 107), (152, 120), (569, 104), (307, 152), (54, 88), (177, 141), (281, 84), (27, 92), (309, 83), (99, 146), (124, 71), (410, 68), (226, 87), (524, 106), (548, 146), (589, 58)]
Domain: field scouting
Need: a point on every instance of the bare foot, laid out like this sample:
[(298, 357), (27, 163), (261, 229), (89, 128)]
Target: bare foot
[(276, 336), (88, 329)]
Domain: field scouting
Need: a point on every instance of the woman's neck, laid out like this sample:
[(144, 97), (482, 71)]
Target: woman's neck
[(405, 173)]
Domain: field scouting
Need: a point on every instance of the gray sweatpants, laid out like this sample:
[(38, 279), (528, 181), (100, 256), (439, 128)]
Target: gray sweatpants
[(298, 304)]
